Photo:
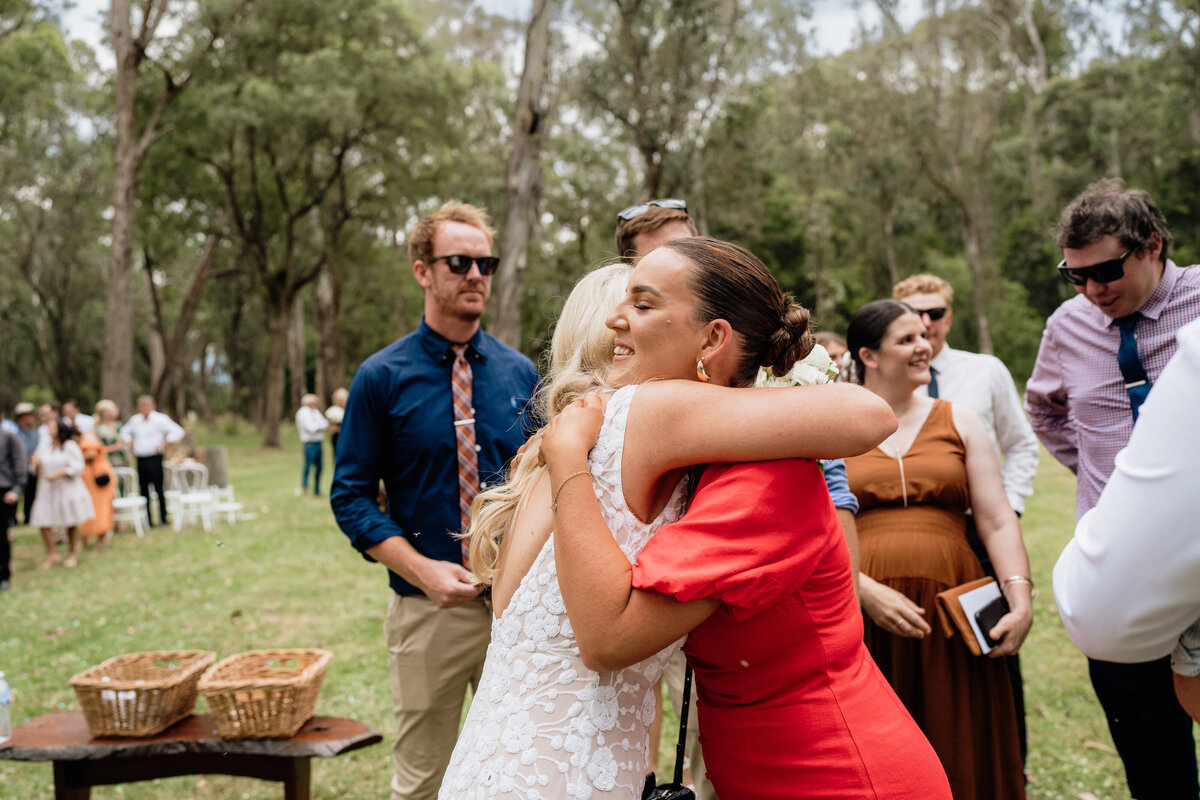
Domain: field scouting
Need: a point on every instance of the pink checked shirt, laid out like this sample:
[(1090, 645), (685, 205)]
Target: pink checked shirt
[(1076, 397)]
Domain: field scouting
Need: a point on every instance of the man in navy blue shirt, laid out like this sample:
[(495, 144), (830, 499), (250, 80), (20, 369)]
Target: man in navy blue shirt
[(401, 427)]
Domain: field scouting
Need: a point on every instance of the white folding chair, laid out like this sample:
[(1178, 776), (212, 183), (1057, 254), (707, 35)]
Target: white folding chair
[(224, 503), (195, 498), (129, 505)]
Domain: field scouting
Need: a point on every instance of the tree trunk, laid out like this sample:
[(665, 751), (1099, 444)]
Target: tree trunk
[(889, 242), (295, 348), (116, 369), (279, 306), (975, 264), (524, 182), (331, 358)]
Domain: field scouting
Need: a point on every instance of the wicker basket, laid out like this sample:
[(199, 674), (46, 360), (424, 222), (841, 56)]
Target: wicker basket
[(264, 694), (140, 694)]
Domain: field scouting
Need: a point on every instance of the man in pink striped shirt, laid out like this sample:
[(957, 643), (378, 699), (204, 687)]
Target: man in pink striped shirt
[(1100, 354)]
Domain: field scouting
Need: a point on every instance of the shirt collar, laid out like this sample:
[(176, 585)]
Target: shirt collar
[(438, 346), (939, 361), (1157, 303)]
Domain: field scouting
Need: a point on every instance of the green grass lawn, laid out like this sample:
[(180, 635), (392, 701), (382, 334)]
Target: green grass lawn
[(290, 579)]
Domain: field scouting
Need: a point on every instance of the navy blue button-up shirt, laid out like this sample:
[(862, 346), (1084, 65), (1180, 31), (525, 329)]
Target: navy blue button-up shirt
[(399, 427)]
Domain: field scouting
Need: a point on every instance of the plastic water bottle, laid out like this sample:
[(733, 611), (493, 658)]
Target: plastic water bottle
[(5, 710)]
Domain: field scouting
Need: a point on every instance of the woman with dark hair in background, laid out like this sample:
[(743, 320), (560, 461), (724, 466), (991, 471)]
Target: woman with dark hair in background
[(914, 491)]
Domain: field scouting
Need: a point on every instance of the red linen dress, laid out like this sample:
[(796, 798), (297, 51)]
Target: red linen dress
[(790, 703)]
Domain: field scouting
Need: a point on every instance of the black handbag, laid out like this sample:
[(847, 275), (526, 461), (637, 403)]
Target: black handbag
[(103, 479), (675, 790)]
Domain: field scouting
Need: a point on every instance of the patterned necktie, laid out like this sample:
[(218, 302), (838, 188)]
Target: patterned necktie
[(464, 433), (1137, 383), (933, 387)]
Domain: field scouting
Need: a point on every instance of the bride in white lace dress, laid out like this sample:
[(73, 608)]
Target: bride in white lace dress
[(542, 724)]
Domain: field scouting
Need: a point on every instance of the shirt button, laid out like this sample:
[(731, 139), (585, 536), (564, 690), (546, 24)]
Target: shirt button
[(478, 447), (483, 485)]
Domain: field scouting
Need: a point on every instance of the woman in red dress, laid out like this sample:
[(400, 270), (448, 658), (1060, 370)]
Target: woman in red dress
[(789, 702)]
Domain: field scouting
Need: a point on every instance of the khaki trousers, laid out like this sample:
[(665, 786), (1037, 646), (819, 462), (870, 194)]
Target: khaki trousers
[(674, 678), (433, 656)]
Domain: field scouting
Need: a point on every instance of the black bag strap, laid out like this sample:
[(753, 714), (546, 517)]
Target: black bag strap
[(684, 704)]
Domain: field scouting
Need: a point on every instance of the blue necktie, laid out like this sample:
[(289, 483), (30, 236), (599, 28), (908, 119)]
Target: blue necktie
[(933, 390), (1136, 381)]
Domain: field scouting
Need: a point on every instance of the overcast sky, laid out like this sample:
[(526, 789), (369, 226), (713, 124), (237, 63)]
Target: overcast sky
[(833, 20)]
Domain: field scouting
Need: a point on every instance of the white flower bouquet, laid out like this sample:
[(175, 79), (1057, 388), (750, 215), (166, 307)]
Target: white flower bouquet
[(817, 367)]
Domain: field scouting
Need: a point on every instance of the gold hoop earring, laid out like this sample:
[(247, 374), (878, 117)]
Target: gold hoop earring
[(701, 373)]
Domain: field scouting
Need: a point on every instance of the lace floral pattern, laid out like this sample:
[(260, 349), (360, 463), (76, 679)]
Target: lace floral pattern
[(1186, 658), (542, 725)]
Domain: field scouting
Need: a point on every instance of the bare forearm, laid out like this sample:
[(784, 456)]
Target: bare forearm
[(850, 531), (398, 555)]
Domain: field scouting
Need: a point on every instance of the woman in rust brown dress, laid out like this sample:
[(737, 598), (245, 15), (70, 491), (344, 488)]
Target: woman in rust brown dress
[(914, 491)]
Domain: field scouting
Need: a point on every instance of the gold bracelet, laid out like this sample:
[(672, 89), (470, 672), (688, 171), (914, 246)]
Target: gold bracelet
[(554, 500), (1016, 579)]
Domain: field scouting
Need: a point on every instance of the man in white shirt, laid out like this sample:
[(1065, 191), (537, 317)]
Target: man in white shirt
[(1125, 596), (150, 432), (79, 421), (311, 425), (983, 384)]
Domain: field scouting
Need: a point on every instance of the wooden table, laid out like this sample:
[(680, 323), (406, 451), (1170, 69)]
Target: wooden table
[(191, 747)]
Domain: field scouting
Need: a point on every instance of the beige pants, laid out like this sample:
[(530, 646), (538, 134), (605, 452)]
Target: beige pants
[(674, 678), (433, 655)]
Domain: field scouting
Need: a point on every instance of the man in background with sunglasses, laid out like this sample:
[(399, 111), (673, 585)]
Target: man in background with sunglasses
[(983, 384), (436, 415), (1099, 357)]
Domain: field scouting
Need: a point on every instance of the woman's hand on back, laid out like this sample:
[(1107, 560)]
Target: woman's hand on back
[(572, 433)]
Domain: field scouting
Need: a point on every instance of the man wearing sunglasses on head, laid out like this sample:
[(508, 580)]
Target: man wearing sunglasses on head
[(1099, 358), (436, 415), (983, 384)]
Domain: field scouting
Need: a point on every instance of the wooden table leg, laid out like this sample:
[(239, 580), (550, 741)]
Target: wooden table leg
[(67, 782), (298, 785)]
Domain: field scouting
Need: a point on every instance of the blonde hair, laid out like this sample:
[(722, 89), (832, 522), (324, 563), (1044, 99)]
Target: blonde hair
[(923, 284), (579, 362), (107, 407)]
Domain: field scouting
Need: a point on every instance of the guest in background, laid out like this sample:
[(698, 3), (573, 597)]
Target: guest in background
[(914, 491), (98, 477), (14, 463), (62, 500), (335, 414), (311, 425), (24, 415), (108, 430), (149, 432), (836, 347), (47, 413), (75, 418)]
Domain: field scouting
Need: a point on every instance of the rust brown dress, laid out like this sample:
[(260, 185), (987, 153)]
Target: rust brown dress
[(911, 535)]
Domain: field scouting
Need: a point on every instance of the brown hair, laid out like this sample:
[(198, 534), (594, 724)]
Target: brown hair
[(1107, 208), (868, 327), (731, 284), (651, 219), (924, 284), (420, 241)]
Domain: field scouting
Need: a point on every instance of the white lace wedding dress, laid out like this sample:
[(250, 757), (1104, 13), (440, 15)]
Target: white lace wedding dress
[(542, 725)]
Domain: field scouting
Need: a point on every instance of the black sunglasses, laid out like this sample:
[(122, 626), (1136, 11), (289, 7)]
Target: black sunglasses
[(934, 313), (1104, 272), (641, 208), (461, 265)]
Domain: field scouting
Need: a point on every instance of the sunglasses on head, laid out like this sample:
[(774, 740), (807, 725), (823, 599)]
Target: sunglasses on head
[(1104, 272), (461, 265), (934, 314), (641, 208)]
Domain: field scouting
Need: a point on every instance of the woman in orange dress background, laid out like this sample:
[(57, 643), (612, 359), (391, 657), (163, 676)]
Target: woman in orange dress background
[(914, 491), (101, 483)]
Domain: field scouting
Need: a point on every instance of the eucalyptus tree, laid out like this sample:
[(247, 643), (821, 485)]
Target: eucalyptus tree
[(305, 94)]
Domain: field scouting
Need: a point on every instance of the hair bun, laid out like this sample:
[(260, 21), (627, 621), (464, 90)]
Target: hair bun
[(792, 341)]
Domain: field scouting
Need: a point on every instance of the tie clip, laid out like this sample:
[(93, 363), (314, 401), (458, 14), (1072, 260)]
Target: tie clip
[(471, 421), (1127, 386)]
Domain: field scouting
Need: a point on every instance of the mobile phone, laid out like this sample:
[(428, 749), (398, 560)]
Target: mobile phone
[(987, 617)]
